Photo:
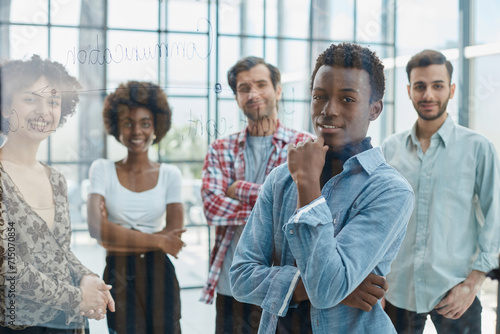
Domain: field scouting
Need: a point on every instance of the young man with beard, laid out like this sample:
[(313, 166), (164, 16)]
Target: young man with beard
[(452, 237), (330, 216)]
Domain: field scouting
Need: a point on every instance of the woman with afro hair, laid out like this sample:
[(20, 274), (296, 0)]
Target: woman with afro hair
[(135, 212)]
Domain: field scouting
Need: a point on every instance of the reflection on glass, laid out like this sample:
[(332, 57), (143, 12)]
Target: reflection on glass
[(187, 64), (134, 55)]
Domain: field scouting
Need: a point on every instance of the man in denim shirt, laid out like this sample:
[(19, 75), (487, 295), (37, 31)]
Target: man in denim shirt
[(334, 213)]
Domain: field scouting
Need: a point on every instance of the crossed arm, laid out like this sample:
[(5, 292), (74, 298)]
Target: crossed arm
[(114, 237), (226, 201), (363, 297)]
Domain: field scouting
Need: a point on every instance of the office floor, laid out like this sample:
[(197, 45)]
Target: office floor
[(192, 268)]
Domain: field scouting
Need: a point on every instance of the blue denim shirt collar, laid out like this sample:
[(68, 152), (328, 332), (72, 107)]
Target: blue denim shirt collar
[(369, 160)]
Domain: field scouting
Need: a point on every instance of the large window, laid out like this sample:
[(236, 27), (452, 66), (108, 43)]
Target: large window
[(187, 46), (484, 55)]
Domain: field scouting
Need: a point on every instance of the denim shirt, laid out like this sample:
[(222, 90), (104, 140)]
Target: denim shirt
[(355, 227)]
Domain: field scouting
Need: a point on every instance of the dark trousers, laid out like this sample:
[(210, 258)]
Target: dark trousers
[(38, 330), (296, 321), (233, 317), (146, 294), (56, 326), (409, 322)]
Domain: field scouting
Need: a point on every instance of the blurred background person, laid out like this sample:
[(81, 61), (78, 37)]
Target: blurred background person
[(235, 168), (452, 239), (135, 211)]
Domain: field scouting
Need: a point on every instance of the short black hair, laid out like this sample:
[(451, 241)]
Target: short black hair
[(349, 55), (16, 75), (136, 94), (245, 64), (426, 58)]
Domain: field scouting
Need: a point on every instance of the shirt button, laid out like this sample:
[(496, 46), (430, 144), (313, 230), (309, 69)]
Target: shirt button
[(142, 256), (292, 232)]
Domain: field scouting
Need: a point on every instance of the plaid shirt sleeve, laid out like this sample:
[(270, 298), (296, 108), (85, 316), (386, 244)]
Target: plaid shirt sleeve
[(247, 192), (221, 210), (302, 136)]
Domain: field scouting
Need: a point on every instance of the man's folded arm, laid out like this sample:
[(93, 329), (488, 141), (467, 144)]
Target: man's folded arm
[(220, 210), (333, 266)]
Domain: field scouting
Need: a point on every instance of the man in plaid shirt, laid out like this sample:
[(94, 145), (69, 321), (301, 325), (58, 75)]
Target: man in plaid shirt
[(234, 170)]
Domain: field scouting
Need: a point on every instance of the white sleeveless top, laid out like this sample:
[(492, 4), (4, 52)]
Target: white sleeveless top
[(144, 211)]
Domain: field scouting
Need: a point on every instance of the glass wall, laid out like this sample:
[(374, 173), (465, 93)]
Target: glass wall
[(187, 46), (484, 54), (418, 28), (437, 25)]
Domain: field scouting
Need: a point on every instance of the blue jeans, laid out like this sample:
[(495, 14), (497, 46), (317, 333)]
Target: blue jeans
[(408, 322)]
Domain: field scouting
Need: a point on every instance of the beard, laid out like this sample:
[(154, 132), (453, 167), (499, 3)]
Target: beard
[(426, 117), (261, 114), (441, 111)]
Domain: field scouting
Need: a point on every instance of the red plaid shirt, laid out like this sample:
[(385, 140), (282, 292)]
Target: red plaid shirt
[(225, 164)]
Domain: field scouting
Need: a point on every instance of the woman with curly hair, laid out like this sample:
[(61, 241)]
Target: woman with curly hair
[(135, 212), (43, 286)]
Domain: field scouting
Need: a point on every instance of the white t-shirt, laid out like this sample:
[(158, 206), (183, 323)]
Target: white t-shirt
[(144, 211)]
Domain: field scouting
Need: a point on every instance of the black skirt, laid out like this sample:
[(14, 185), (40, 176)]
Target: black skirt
[(146, 294)]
